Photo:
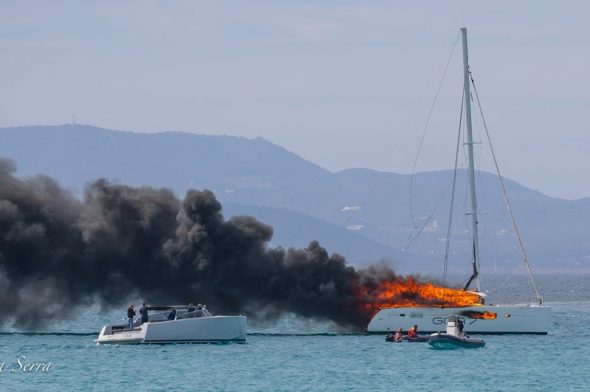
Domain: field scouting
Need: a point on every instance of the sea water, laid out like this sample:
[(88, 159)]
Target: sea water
[(303, 355)]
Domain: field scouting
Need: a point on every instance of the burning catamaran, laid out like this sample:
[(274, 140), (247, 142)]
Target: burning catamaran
[(406, 303), (395, 308)]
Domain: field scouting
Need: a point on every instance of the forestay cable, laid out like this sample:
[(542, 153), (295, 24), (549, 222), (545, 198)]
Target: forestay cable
[(446, 262), (506, 200)]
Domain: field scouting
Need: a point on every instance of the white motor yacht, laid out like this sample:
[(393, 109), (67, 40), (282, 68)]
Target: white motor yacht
[(187, 324)]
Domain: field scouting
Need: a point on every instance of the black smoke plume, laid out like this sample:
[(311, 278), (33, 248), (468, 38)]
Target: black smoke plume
[(58, 253)]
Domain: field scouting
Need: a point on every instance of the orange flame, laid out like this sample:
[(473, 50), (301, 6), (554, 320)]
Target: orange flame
[(480, 315), (408, 292), (488, 316)]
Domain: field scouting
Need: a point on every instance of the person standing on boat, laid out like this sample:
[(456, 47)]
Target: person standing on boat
[(143, 311), (172, 315), (130, 316), (460, 326)]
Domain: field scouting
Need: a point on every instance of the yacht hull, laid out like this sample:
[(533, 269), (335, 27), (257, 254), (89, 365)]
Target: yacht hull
[(189, 330), (510, 319)]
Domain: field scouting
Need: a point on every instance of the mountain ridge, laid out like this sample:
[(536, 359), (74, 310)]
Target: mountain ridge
[(256, 172)]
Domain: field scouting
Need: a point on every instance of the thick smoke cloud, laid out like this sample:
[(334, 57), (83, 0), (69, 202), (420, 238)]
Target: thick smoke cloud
[(58, 253)]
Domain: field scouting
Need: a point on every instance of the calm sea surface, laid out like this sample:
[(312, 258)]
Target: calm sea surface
[(300, 355)]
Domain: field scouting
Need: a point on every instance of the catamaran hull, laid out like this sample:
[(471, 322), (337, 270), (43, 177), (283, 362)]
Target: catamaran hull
[(510, 319), (190, 330)]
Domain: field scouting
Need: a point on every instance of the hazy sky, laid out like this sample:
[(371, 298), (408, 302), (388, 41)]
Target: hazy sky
[(341, 83)]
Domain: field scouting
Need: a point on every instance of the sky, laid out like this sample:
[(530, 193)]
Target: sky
[(343, 84)]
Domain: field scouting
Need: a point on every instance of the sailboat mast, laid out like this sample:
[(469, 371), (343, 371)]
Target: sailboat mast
[(473, 211)]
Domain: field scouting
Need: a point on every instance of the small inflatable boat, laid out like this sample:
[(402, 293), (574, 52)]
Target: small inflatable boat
[(454, 337), (445, 340), (390, 337), (418, 339)]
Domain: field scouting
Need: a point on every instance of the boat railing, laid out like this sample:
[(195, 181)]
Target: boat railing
[(194, 313), (162, 316), (180, 314)]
